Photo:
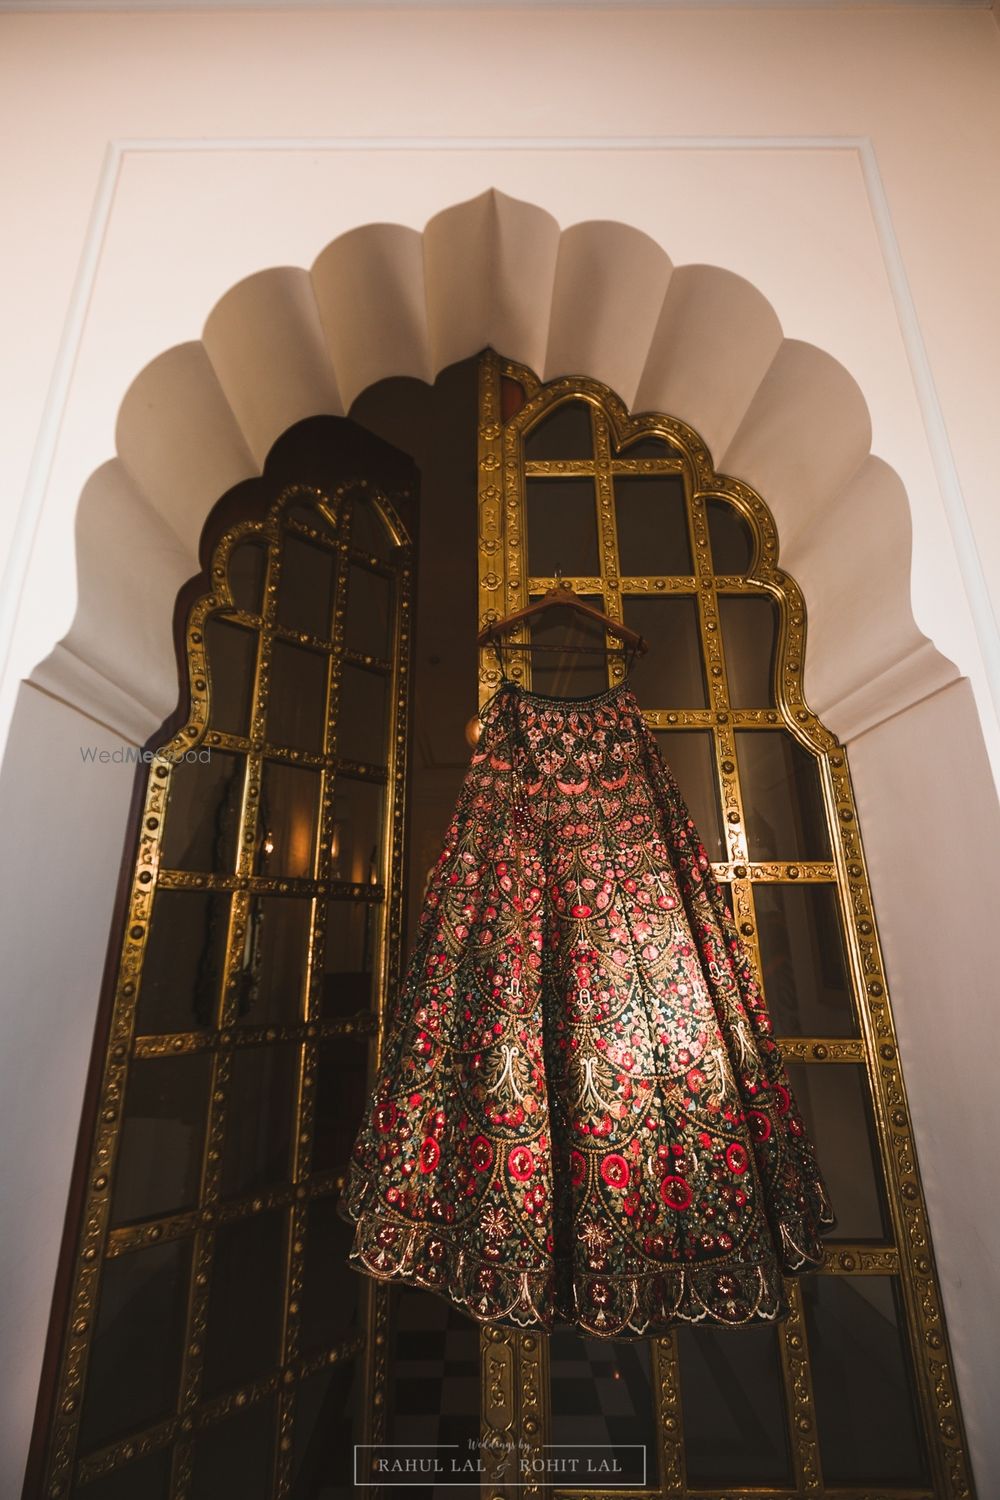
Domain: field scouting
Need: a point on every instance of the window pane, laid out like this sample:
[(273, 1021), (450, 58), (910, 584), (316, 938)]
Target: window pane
[(327, 1425), (648, 447), (247, 569), (356, 844), (232, 661), (562, 527), (203, 814), (330, 1286), (749, 634), (159, 1160), (734, 1409), (245, 1300), (802, 954), (833, 1101), (184, 961), (782, 800), (296, 698), (368, 613), (564, 434), (349, 957), (341, 1092), (730, 536), (259, 1118), (602, 1395), (368, 531), (690, 755), (306, 587), (865, 1408), (568, 672), (235, 1457), (272, 974), (135, 1357), (363, 717), (670, 674), (289, 805), (651, 514)]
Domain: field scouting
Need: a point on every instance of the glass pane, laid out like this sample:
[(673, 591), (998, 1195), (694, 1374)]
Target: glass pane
[(802, 953), (833, 1102), (568, 672), (434, 1340), (247, 570), (327, 1426), (330, 1286), (259, 1118), (562, 527), (602, 1399), (289, 807), (648, 447), (272, 975), (670, 674), (690, 755), (368, 609), (782, 800), (369, 532), (308, 514), (135, 1358), (730, 536), (148, 1477), (564, 434), (203, 814), (245, 1301), (749, 636), (296, 698), (341, 1092), (865, 1408), (349, 957), (236, 1457), (363, 718), (306, 587), (734, 1408), (232, 660), (159, 1156), (183, 965), (356, 844), (652, 525)]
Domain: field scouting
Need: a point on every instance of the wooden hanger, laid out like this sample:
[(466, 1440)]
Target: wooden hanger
[(561, 596)]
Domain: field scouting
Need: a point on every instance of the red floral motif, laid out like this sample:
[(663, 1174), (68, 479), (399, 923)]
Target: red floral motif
[(520, 1163), (737, 1159), (430, 1154), (759, 1124), (481, 1154), (577, 1167), (614, 1170), (384, 1116), (676, 1192)]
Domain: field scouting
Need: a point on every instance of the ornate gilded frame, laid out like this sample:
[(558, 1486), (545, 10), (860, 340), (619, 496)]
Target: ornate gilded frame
[(514, 1365)]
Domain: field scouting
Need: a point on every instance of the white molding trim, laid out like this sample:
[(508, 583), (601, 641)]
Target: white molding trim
[(967, 553)]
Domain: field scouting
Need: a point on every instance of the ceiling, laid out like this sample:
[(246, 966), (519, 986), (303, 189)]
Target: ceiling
[(70, 6)]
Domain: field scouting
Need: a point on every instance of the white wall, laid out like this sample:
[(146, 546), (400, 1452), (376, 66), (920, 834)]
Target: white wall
[(734, 141)]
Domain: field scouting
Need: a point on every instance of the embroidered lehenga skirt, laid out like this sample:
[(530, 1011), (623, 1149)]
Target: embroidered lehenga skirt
[(581, 1115)]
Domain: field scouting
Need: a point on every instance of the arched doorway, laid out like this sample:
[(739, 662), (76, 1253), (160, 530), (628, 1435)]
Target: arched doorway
[(639, 493)]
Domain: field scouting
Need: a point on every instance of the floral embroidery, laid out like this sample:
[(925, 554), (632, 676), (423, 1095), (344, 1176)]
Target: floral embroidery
[(580, 1010)]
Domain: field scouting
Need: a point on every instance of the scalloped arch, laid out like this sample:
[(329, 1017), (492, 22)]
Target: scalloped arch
[(598, 298)]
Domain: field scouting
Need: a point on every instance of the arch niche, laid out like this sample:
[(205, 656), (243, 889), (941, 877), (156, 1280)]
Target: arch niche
[(605, 300)]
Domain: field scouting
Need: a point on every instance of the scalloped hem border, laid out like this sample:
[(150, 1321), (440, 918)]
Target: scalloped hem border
[(419, 1255)]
